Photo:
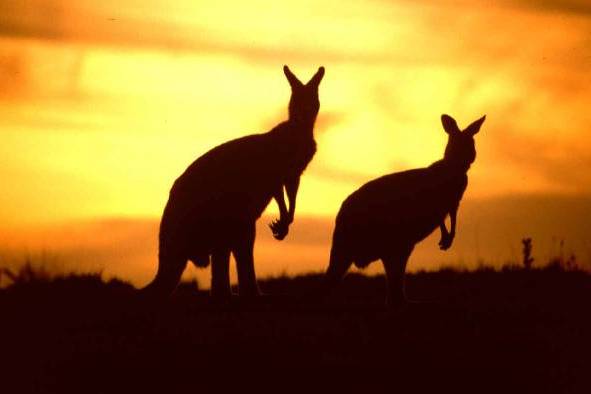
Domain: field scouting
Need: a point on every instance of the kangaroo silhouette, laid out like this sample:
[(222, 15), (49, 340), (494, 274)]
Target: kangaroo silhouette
[(213, 206), (387, 216)]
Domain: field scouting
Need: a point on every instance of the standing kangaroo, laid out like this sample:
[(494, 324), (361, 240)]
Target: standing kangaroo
[(213, 206), (386, 217)]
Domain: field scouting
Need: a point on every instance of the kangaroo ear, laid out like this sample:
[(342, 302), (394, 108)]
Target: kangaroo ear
[(475, 126), (449, 124), (294, 82), (315, 81)]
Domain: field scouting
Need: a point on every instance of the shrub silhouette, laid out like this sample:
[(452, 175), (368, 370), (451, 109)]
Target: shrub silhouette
[(26, 273), (527, 257), (214, 204), (386, 217)]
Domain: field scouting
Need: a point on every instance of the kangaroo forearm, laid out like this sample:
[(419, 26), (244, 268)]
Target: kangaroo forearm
[(279, 197), (442, 228), (291, 212), (291, 188), (452, 220)]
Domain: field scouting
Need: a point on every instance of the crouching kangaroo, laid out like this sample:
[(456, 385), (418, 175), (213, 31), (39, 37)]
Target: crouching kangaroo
[(386, 217), (213, 206)]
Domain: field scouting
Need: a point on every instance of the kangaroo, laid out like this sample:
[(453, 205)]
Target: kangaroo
[(214, 205), (385, 218)]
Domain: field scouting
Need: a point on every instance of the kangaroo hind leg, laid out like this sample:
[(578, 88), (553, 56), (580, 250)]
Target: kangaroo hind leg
[(220, 274), (242, 249), (395, 265)]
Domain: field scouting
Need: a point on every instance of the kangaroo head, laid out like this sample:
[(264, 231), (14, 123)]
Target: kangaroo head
[(304, 103), (460, 149)]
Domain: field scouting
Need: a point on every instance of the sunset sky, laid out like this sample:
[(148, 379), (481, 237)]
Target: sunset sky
[(103, 104)]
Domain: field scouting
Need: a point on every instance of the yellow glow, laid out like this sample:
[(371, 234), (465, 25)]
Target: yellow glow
[(103, 105)]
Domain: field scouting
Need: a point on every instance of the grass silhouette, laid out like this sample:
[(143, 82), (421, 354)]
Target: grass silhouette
[(515, 330)]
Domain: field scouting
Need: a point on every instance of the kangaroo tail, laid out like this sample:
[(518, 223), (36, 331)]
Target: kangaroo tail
[(167, 278), (340, 260)]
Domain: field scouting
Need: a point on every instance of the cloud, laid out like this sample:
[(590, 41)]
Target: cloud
[(36, 18), (339, 175), (579, 7), (52, 122), (115, 24), (14, 73), (489, 230), (564, 166), (420, 59)]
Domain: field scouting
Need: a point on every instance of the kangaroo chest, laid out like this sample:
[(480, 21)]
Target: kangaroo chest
[(303, 155), (292, 159)]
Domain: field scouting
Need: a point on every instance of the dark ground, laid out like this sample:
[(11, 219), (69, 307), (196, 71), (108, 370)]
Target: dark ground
[(514, 331)]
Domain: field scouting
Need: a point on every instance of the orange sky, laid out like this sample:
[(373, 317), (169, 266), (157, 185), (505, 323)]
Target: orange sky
[(103, 104)]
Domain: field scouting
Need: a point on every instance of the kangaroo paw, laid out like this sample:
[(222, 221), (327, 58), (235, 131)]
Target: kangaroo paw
[(279, 228), (445, 242)]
